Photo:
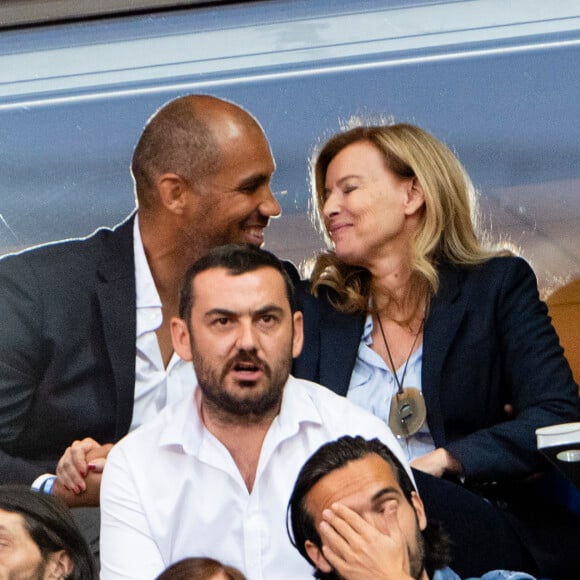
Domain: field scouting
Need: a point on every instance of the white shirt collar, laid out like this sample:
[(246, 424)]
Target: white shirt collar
[(146, 291), (187, 430)]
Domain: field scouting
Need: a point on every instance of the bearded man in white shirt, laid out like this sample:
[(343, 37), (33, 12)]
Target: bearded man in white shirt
[(212, 474), (85, 340)]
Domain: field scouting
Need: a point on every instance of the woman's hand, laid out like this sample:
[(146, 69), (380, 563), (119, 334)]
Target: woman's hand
[(438, 463), (78, 460), (79, 473)]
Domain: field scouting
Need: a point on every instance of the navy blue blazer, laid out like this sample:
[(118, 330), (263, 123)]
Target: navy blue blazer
[(67, 349), (487, 341)]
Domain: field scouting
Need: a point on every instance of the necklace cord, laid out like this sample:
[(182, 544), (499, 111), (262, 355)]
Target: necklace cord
[(399, 382)]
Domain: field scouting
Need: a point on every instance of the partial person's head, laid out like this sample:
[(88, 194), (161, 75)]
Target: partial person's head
[(240, 327), (366, 477), (200, 569), (375, 185), (206, 163), (39, 538)]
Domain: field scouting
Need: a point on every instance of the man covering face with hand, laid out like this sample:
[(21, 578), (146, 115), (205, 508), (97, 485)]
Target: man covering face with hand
[(355, 514)]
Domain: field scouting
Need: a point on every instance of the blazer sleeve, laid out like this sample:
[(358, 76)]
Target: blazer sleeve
[(21, 362), (535, 373)]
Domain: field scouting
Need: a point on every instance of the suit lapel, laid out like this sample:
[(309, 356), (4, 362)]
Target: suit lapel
[(306, 364), (339, 340), (117, 299), (446, 311), (331, 341)]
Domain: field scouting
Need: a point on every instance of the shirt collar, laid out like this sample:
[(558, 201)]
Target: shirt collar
[(147, 295), (368, 330), (445, 574), (149, 313), (297, 407), (183, 426), (186, 429)]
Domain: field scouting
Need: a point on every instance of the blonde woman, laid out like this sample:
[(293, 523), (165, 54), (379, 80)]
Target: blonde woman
[(417, 321)]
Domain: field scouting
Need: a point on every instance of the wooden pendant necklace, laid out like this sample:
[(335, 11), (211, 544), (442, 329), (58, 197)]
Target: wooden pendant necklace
[(408, 411)]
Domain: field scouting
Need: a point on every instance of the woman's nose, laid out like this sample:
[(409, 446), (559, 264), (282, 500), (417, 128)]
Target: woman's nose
[(331, 205)]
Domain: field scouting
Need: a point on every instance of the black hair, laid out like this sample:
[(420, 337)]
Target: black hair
[(237, 259), (51, 527), (332, 456)]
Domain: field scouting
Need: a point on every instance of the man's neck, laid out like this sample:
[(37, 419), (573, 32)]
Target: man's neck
[(169, 254), (242, 437), (167, 263)]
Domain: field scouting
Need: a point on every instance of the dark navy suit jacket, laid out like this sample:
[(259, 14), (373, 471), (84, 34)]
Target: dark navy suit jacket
[(487, 341), (67, 349)]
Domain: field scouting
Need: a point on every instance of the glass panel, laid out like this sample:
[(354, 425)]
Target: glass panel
[(502, 93)]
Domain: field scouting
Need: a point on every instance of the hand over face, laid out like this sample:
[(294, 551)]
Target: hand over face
[(357, 550)]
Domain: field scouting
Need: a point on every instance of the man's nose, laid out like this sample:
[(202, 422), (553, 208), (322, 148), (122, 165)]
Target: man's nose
[(246, 339), (269, 205)]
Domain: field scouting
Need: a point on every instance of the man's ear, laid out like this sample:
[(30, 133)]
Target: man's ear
[(59, 565), (419, 510), (415, 196), (298, 339), (172, 192), (316, 557), (180, 338)]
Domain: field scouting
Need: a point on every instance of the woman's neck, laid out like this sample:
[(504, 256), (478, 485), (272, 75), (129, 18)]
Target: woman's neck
[(392, 275), (401, 296)]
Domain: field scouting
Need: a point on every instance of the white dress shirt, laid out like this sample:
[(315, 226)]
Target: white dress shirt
[(155, 385), (373, 386), (172, 490)]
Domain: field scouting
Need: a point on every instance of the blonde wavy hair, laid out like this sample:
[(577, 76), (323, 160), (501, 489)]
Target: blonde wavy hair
[(448, 227)]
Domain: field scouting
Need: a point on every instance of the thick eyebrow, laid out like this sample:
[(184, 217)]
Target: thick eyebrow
[(377, 497), (254, 181), (267, 309), (219, 312)]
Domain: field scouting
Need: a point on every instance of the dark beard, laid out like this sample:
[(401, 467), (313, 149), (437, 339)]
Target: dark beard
[(249, 409), (39, 572), (417, 560)]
